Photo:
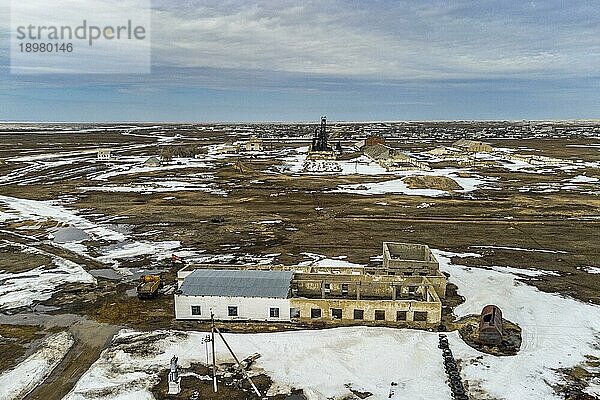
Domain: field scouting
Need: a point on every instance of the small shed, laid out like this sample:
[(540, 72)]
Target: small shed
[(490, 325), (229, 294), (152, 162), (373, 140), (254, 144), (104, 154)]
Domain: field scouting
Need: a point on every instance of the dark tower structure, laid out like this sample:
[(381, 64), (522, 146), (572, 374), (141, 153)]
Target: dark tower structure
[(319, 142)]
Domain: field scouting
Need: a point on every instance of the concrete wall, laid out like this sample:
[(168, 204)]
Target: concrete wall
[(409, 259), (433, 310), (364, 287), (253, 309)]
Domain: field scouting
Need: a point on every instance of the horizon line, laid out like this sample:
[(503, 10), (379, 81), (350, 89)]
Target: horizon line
[(315, 121)]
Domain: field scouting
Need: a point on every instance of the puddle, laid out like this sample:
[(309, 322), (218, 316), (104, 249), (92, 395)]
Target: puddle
[(138, 273), (133, 275), (106, 273), (69, 235)]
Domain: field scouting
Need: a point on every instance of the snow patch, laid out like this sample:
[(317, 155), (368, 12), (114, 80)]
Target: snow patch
[(24, 288), (21, 380), (557, 332)]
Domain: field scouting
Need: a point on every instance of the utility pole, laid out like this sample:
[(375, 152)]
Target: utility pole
[(214, 366), (212, 342)]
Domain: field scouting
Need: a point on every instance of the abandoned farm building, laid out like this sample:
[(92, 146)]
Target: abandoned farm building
[(407, 289), (392, 159), (472, 146), (254, 144), (104, 154)]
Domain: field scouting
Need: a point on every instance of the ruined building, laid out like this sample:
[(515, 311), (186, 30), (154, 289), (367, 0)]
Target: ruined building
[(405, 290)]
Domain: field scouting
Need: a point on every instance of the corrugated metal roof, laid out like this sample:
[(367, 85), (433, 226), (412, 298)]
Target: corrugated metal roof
[(237, 283)]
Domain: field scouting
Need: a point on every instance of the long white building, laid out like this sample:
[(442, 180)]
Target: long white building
[(234, 295)]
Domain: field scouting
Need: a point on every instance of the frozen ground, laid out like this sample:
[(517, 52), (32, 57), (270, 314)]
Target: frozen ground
[(321, 362), (135, 165), (17, 382), (25, 288), (118, 245), (557, 333), (159, 186), (398, 185), (39, 211)]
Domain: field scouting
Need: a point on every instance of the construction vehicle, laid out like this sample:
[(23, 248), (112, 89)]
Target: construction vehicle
[(149, 286)]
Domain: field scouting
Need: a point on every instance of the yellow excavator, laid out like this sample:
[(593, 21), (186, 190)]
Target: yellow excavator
[(148, 288)]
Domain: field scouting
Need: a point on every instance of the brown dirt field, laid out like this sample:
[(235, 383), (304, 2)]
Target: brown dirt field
[(331, 224), (14, 341)]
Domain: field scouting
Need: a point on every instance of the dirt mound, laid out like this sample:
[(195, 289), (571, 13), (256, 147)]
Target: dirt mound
[(432, 182)]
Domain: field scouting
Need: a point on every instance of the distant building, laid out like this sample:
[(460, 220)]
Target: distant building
[(360, 144), (319, 147), (104, 154), (152, 162), (393, 159), (372, 140), (228, 149), (320, 138), (472, 146), (254, 144), (440, 151)]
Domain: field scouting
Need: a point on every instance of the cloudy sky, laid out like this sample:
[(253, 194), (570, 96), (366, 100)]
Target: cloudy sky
[(352, 60)]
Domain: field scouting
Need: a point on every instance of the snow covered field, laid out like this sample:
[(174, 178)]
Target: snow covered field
[(321, 362), (159, 187), (16, 383), (25, 288), (134, 165), (117, 244), (557, 333), (468, 184), (35, 210)]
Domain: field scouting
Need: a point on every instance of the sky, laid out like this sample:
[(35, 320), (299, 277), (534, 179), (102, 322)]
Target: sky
[(353, 60)]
